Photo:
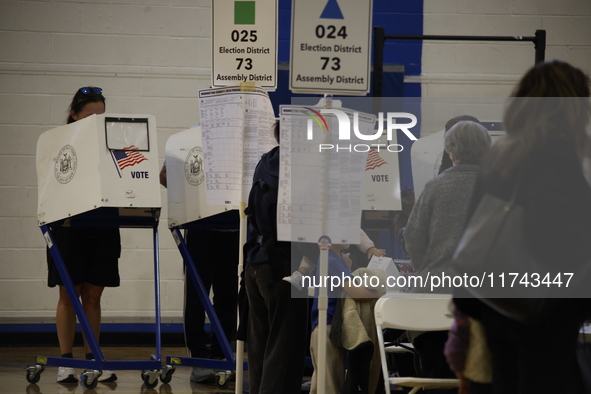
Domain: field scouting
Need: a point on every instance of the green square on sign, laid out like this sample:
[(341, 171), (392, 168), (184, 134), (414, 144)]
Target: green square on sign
[(244, 12)]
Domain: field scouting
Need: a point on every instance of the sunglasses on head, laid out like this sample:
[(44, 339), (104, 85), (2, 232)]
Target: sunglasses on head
[(89, 89)]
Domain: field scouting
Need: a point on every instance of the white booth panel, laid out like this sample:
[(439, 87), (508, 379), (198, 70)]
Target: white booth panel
[(185, 179), (381, 182), (426, 154), (77, 172)]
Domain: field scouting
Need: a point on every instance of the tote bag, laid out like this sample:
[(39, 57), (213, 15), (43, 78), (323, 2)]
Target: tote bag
[(511, 281)]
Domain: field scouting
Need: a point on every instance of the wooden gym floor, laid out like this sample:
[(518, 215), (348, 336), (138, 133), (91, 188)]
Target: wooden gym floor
[(14, 360)]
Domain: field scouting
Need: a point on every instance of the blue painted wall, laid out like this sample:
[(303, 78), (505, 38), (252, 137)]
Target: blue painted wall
[(402, 17), (396, 16)]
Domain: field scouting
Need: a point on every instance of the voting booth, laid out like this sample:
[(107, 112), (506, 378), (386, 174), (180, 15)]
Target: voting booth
[(185, 178), (381, 180), (103, 162), (187, 208), (100, 172)]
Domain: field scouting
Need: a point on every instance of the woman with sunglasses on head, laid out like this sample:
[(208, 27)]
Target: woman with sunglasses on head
[(91, 257)]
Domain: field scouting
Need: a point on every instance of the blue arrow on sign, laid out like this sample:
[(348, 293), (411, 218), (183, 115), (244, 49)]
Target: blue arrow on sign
[(332, 11)]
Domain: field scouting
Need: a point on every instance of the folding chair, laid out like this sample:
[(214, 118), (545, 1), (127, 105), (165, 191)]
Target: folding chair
[(420, 312)]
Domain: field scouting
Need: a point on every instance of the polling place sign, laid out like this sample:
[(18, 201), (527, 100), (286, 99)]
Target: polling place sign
[(330, 46), (244, 43)]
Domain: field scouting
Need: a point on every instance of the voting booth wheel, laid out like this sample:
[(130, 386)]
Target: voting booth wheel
[(222, 379), (150, 378), (166, 373), (34, 373), (89, 378)]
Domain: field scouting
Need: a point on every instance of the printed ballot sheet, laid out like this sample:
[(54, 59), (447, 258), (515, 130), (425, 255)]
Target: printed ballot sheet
[(237, 129), (321, 177)]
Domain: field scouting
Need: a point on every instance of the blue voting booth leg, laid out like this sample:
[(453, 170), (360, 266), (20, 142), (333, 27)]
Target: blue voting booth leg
[(230, 362), (151, 370)]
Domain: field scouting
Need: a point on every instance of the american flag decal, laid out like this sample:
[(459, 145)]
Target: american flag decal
[(374, 160), (128, 157)]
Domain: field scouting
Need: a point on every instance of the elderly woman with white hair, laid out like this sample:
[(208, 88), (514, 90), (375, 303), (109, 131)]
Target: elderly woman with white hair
[(436, 224), (437, 220)]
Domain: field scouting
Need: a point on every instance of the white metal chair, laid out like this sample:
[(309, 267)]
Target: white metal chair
[(420, 312)]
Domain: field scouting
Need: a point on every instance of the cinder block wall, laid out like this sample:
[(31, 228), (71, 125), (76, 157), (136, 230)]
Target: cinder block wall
[(464, 69), (490, 69), (150, 57)]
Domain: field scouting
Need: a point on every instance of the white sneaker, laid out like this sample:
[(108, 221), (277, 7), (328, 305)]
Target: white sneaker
[(295, 279), (107, 376), (66, 375)]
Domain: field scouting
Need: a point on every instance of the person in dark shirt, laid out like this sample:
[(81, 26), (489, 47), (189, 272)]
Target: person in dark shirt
[(541, 156)]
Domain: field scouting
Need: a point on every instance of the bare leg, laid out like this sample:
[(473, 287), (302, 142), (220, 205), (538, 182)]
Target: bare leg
[(65, 320), (91, 302)]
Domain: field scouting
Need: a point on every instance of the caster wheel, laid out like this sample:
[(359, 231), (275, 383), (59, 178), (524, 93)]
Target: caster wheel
[(166, 375), (150, 379), (34, 373), (33, 379), (88, 383), (222, 380)]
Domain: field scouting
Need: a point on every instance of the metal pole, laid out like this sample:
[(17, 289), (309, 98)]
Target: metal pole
[(459, 38), (240, 344), (540, 46), (71, 290), (324, 244), (539, 41), (157, 293), (378, 60)]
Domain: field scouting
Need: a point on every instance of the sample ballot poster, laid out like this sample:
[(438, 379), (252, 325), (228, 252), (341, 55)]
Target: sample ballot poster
[(321, 176), (330, 46), (244, 43), (236, 129)]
